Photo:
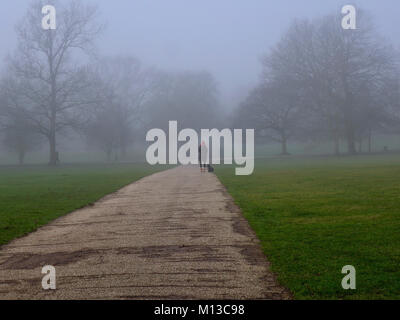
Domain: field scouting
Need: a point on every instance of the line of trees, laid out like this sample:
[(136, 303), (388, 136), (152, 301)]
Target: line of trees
[(44, 88), (321, 82), (56, 82)]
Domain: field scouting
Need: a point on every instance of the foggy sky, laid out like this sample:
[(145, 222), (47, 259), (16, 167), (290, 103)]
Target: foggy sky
[(225, 37)]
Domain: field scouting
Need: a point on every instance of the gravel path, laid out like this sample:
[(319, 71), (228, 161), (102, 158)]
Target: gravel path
[(172, 235)]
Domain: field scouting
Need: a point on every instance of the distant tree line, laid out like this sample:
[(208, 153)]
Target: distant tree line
[(324, 83), (56, 81), (319, 83)]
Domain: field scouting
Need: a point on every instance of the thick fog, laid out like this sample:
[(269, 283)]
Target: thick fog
[(284, 68), (224, 37)]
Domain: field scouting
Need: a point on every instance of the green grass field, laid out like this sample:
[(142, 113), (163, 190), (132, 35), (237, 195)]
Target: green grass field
[(32, 196), (316, 215)]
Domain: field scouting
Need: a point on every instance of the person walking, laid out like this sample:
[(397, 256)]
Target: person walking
[(203, 156)]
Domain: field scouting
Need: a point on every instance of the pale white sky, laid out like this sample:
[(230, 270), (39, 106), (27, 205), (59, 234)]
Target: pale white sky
[(226, 37)]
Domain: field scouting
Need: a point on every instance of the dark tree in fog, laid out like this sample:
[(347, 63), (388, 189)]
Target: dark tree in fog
[(18, 134), (274, 109), (19, 138), (390, 100), (124, 86), (335, 66), (52, 82), (106, 130), (191, 98)]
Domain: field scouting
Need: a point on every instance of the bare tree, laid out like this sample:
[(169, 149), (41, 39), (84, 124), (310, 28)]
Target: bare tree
[(125, 86), (52, 83), (19, 136), (334, 65), (275, 110), (191, 98), (104, 132)]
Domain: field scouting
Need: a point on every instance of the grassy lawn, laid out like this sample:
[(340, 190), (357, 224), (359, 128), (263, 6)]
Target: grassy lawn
[(316, 215), (32, 196)]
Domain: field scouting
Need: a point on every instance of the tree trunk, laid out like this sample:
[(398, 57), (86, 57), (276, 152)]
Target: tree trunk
[(284, 146), (351, 144), (348, 117), (369, 140), (336, 144), (52, 145), (53, 108), (334, 128), (21, 157), (108, 152)]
